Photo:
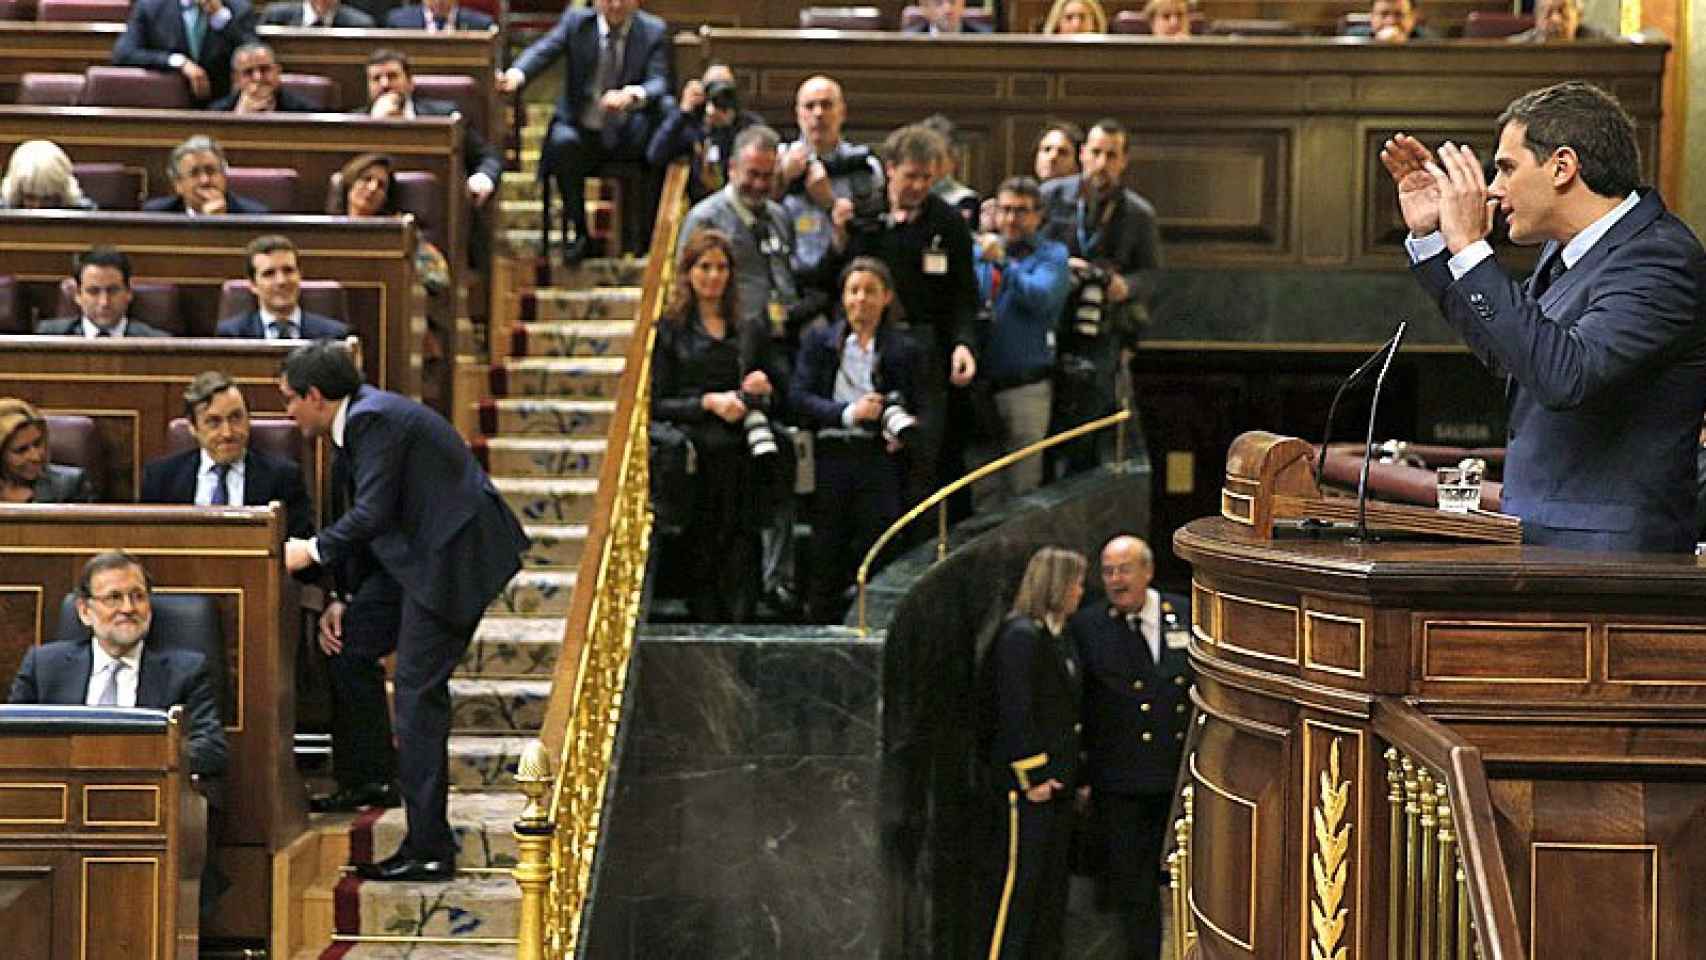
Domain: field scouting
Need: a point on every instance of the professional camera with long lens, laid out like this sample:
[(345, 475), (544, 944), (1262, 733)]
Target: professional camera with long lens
[(723, 94), (760, 437), (896, 421), (870, 204), (1089, 302)]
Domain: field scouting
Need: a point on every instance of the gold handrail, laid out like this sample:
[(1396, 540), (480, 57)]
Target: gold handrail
[(994, 466), (579, 729)]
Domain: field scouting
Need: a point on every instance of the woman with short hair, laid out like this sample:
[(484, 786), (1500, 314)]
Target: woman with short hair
[(39, 177), (26, 475)]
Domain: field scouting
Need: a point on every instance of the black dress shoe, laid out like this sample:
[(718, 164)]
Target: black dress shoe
[(400, 867), (356, 797)]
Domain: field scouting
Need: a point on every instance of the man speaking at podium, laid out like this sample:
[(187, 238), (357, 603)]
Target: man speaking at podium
[(1604, 347)]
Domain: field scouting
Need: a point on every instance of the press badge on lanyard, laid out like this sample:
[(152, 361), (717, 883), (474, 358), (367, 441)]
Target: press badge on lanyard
[(935, 258)]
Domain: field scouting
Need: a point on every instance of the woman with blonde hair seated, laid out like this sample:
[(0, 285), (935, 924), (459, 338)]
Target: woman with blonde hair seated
[(38, 177), (1169, 18), (1068, 17), (26, 476)]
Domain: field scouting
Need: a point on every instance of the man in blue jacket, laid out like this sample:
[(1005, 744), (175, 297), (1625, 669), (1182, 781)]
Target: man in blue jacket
[(435, 524), (1024, 281), (1603, 349)]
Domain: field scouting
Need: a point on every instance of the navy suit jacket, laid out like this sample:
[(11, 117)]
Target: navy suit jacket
[(58, 673), (314, 327), (73, 326), (413, 17), (283, 101), (811, 389), (172, 479), (645, 63), (234, 203), (1606, 382), (429, 513), (966, 26), (1032, 685), (288, 13), (155, 31), (1128, 695), (477, 155)]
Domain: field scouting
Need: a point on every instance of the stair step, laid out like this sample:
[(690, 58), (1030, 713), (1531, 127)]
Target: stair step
[(482, 705), (514, 646), (537, 593), (554, 545), (543, 457), (595, 303), (484, 825), (482, 763), (534, 415), (569, 378), (471, 905), (627, 270), (579, 338)]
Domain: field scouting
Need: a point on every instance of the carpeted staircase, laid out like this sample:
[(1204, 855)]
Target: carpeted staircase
[(542, 438)]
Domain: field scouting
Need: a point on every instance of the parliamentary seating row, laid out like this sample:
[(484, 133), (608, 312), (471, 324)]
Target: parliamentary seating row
[(449, 66), (160, 305)]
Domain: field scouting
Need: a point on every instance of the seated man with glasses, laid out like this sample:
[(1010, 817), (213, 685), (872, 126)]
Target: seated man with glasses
[(118, 668)]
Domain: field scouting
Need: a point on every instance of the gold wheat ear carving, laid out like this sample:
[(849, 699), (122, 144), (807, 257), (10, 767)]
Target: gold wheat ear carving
[(1329, 864)]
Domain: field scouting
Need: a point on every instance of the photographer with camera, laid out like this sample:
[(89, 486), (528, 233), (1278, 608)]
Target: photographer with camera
[(713, 378), (927, 247), (819, 169), (1024, 282), (1114, 244), (703, 126), (854, 383)]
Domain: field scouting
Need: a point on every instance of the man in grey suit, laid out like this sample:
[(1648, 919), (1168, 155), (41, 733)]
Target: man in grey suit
[(432, 521), (315, 13), (1603, 348), (102, 276), (118, 667)]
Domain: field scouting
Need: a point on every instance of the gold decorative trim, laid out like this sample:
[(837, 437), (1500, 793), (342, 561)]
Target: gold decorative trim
[(1330, 863), (1587, 652), (1255, 827), (1220, 623), (153, 903), (1203, 599), (64, 804), (1309, 661), (242, 595), (1652, 850), (89, 821), (1012, 874)]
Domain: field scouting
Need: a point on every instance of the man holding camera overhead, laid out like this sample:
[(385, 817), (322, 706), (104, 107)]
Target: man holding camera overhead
[(821, 168), (703, 127), (1114, 247)]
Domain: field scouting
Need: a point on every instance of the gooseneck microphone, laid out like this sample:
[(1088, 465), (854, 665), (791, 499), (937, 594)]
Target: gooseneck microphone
[(1368, 441), (1384, 351)]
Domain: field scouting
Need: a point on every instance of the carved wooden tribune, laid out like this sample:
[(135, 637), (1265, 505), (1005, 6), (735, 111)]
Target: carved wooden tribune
[(1418, 749)]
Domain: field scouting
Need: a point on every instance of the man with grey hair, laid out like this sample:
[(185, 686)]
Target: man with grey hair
[(1557, 21), (256, 86), (197, 171)]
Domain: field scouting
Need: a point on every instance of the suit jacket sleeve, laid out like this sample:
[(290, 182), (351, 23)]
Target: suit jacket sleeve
[(24, 688), (1642, 306), (1018, 742), (815, 354), (675, 137), (671, 399), (240, 29), (548, 48), (376, 456), (208, 749), (1142, 260), (656, 80), (478, 156), (132, 49), (958, 241)]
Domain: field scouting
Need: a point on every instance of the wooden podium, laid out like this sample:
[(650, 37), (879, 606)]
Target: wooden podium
[(1377, 720)]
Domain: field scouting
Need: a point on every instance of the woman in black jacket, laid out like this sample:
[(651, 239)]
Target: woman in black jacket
[(712, 376), (1032, 688)]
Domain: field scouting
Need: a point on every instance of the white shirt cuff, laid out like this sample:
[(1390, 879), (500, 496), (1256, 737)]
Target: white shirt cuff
[(479, 182), (1424, 248), (847, 416), (314, 549), (176, 61), (637, 92), (1468, 258)]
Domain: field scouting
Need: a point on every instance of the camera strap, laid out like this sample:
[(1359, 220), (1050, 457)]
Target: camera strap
[(768, 240), (1088, 243)]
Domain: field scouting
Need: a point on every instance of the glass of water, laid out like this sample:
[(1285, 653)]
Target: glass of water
[(1459, 488)]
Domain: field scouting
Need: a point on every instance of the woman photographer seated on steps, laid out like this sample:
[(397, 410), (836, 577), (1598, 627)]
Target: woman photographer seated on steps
[(714, 379), (854, 383)]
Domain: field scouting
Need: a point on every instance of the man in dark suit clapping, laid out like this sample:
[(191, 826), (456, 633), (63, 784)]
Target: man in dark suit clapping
[(435, 523), (1133, 645), (614, 92), (223, 469)]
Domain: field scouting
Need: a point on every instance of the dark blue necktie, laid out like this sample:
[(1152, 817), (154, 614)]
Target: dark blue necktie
[(221, 494)]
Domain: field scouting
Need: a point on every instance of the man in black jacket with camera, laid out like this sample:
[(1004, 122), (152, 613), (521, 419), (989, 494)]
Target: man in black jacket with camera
[(703, 127), (1114, 247)]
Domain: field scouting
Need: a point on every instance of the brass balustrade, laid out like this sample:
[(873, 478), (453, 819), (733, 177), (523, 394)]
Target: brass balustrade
[(939, 499), (598, 639), (1179, 876)]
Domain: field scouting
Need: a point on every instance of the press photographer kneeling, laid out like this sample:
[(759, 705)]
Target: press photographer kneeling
[(853, 383), (713, 378)]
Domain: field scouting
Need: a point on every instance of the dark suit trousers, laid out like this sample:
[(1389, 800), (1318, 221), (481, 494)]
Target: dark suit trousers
[(858, 496), (572, 154), (362, 751), (1134, 827), (1030, 896)]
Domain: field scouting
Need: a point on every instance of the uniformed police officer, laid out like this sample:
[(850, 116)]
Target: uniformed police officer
[(1137, 676), (1031, 682)]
